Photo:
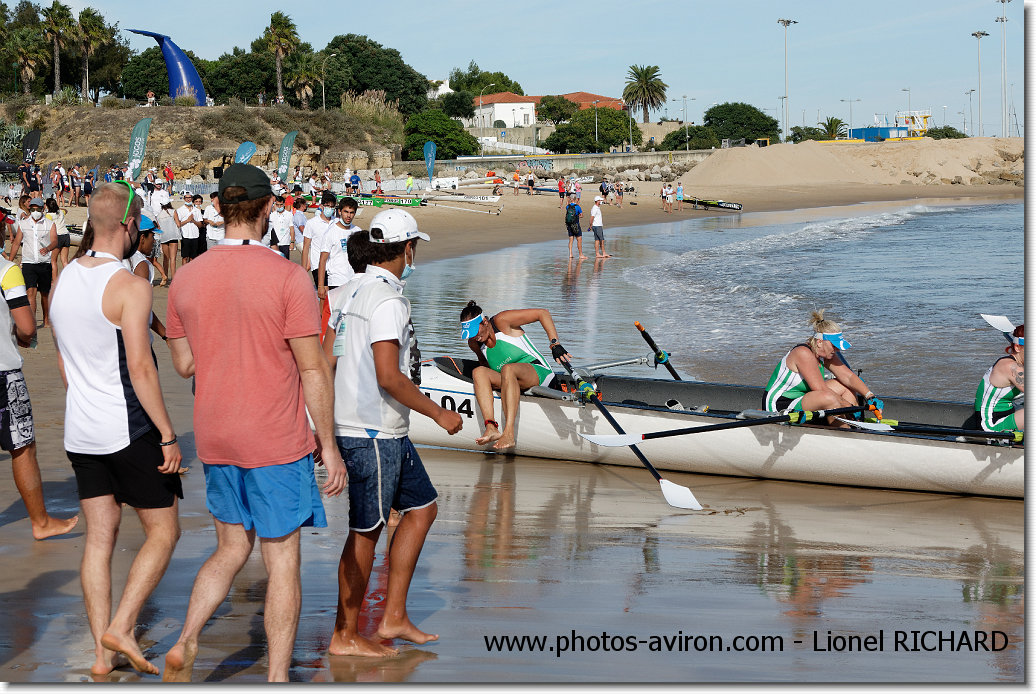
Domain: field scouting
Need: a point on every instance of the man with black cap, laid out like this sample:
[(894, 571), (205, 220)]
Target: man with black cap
[(313, 234), (258, 367), (118, 434)]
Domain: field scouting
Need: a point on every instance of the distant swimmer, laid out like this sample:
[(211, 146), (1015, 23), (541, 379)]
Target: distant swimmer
[(1001, 385), (815, 376), (509, 362)]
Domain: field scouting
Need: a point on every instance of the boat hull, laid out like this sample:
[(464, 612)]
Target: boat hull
[(551, 428)]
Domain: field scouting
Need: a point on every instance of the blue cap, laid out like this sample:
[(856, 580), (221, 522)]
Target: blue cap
[(146, 223), (835, 339), (469, 328)]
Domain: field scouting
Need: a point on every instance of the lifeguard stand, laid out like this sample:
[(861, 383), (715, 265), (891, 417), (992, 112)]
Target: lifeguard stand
[(916, 122)]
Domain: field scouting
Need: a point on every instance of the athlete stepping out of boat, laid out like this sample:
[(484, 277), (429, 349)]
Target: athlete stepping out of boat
[(815, 376), (1001, 384), (508, 362)]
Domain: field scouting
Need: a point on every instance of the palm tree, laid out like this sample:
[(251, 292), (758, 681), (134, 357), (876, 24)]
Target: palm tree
[(31, 53), (644, 88), (832, 127), (59, 29), (303, 72), (90, 34), (282, 39)]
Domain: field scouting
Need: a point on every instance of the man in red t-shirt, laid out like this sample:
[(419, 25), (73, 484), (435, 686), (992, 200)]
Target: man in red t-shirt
[(167, 174), (244, 322)]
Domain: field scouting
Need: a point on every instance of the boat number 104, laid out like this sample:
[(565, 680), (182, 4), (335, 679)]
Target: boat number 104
[(447, 402)]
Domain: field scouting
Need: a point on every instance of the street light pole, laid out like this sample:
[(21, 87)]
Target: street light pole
[(971, 110), (323, 78), (979, 35), (850, 129), (1003, 69), (483, 116), (597, 137), (944, 112), (785, 23)]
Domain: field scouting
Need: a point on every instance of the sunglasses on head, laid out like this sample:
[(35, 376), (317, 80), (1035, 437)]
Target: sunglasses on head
[(132, 194)]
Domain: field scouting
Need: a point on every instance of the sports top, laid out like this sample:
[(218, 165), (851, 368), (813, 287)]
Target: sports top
[(102, 412), (785, 383), (992, 403), (12, 285), (515, 350)]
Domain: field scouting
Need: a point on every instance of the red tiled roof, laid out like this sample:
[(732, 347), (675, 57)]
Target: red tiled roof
[(504, 98), (583, 99)]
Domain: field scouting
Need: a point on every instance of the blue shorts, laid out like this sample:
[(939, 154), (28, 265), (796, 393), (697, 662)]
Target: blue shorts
[(276, 500), (384, 474)]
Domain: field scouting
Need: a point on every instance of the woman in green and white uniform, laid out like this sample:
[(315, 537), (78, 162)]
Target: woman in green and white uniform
[(814, 376), (508, 362), (1001, 384)]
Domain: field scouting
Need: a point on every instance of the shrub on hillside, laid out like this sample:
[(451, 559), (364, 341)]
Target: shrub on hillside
[(186, 100), (115, 102)]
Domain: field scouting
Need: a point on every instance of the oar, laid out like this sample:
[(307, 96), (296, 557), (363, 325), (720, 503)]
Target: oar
[(793, 417), (1001, 323), (465, 209), (661, 356), (680, 497), (892, 425)]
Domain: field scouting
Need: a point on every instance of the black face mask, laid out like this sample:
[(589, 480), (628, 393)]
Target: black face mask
[(133, 245)]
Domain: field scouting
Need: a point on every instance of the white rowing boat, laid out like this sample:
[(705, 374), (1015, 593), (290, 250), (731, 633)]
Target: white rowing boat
[(551, 422), (465, 198)]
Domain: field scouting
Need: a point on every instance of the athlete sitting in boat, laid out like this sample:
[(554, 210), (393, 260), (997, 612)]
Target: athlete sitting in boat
[(1002, 383), (508, 361), (814, 376)]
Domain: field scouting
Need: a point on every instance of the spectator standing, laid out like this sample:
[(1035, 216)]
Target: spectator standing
[(258, 364), (298, 221), (150, 98), (313, 235), (409, 183), (188, 219), (213, 221), (281, 226), (39, 237), (573, 213), (354, 180), (167, 174), (561, 192), (597, 226)]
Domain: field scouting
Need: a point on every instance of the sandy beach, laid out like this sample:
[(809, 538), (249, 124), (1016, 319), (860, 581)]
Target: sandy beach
[(477, 575)]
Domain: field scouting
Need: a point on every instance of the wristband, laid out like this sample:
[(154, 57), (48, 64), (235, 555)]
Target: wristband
[(170, 442)]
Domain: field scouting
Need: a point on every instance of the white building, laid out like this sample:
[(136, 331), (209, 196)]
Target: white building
[(514, 110)]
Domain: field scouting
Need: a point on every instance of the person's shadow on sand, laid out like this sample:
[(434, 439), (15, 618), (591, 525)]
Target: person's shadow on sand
[(29, 610), (62, 498)]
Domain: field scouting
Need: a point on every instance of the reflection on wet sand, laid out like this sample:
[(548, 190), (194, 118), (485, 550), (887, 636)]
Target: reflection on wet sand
[(534, 547)]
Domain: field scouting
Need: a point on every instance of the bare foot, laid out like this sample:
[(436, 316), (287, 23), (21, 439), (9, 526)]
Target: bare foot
[(54, 526), (607, 255), (356, 645), (106, 662), (504, 442), (491, 435), (128, 646), (179, 662), (406, 631), (583, 257)]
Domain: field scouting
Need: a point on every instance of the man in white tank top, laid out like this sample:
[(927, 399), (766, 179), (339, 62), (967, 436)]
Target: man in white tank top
[(118, 434)]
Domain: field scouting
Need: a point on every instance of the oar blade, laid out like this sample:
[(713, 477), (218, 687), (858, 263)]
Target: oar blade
[(869, 426), (613, 440), (680, 497), (1001, 323)]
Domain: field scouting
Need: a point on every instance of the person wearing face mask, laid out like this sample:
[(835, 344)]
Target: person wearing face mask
[(334, 269), (279, 231), (39, 239), (815, 376), (313, 234), (374, 395), (188, 220), (213, 221)]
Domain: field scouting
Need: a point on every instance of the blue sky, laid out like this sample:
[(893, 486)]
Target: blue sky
[(712, 52)]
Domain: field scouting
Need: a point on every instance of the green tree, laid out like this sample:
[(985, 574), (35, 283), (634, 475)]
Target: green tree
[(735, 120), (374, 67), (832, 127), (108, 62), (90, 34), (474, 80), (59, 29), (240, 75), (799, 133), (556, 109), (282, 39), (449, 136), (30, 51), (458, 105), (644, 88), (303, 73), (689, 137), (944, 132), (612, 128)]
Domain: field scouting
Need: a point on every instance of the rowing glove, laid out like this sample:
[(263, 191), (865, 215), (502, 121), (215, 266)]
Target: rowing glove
[(876, 403), (557, 351)]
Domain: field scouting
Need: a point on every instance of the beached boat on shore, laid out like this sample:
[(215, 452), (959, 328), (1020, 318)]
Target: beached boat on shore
[(550, 423)]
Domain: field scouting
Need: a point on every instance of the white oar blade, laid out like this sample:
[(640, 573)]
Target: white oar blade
[(680, 497), (612, 440), (869, 426), (1001, 323)]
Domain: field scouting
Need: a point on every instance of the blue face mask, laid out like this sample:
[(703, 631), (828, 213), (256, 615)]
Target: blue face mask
[(329, 212), (408, 270)]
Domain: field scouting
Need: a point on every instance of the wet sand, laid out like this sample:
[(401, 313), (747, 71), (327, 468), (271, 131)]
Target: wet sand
[(536, 547)]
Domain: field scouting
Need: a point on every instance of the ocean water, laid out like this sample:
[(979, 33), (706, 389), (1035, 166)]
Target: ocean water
[(729, 295)]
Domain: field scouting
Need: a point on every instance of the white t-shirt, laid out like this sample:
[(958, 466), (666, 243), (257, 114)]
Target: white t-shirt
[(35, 236), (595, 216), (280, 225), (189, 218), (339, 271), (214, 231), (158, 198), (314, 231), (377, 311), (298, 222)]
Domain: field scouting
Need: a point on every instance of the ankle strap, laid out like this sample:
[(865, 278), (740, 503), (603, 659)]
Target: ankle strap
[(493, 422)]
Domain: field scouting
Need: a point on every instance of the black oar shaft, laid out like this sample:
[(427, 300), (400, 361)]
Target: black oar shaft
[(660, 356), (942, 431), (799, 416), (611, 420)]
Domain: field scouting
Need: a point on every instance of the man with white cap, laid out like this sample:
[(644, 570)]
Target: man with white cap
[(597, 226), (39, 238), (374, 394)]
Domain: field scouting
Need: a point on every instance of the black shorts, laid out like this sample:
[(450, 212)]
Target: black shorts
[(37, 276), (130, 475), (317, 281), (561, 194), (189, 247), (64, 240), (16, 428), (574, 230)]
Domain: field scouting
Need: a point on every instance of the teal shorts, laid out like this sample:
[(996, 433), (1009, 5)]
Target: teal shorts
[(276, 500)]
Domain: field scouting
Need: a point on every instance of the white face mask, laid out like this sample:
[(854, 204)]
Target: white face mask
[(280, 208), (329, 212), (188, 204), (37, 215)]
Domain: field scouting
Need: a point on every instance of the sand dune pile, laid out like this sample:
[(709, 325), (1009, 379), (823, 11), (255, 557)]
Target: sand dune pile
[(970, 161)]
